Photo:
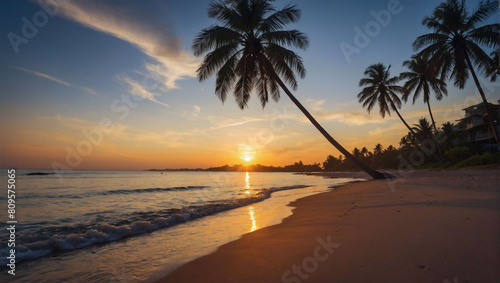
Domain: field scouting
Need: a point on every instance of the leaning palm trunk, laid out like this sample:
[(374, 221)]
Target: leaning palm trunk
[(432, 117), (402, 120), (485, 102), (375, 174), (440, 152)]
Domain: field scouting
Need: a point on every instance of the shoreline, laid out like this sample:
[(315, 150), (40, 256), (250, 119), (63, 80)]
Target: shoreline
[(431, 226)]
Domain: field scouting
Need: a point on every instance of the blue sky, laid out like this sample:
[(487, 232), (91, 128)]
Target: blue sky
[(91, 57)]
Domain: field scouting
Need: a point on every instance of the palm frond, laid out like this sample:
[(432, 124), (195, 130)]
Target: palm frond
[(226, 76), (215, 59), (225, 12), (290, 58), (484, 11), (486, 35), (245, 70), (213, 38), (479, 57), (279, 19), (429, 39), (291, 38)]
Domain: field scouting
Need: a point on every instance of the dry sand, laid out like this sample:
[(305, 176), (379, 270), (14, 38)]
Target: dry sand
[(431, 226)]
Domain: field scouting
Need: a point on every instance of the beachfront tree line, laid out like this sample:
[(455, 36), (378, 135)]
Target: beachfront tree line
[(450, 52), (248, 51)]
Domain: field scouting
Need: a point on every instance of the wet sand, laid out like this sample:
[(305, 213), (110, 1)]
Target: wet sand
[(428, 226)]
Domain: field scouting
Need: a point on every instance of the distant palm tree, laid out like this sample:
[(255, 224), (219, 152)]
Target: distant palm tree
[(248, 52), (357, 153), (382, 89), (422, 77), (456, 41), (364, 152), (378, 149), (390, 148), (449, 133), (423, 130), (408, 141)]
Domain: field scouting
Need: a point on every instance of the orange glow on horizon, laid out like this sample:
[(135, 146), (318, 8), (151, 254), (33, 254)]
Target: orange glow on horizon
[(247, 152)]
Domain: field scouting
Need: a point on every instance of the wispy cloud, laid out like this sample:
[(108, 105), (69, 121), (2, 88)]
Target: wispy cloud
[(45, 76), (140, 90), (315, 105), (221, 122), (350, 117), (59, 81), (171, 62), (70, 120), (89, 90), (345, 113), (394, 129), (193, 114)]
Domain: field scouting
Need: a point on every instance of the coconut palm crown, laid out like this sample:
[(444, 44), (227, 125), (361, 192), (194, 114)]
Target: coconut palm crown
[(456, 38), (380, 88), (248, 51), (421, 77), (248, 46), (456, 42)]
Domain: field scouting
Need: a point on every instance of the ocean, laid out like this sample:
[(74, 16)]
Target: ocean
[(137, 226)]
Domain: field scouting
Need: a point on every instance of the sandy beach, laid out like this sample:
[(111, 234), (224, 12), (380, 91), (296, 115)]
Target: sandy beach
[(430, 226)]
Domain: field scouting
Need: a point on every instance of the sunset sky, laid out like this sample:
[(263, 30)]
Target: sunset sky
[(112, 85)]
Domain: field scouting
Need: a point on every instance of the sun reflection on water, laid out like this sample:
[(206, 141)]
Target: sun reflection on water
[(247, 183), (252, 218)]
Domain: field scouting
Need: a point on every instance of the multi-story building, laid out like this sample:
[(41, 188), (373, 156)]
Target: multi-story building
[(476, 125)]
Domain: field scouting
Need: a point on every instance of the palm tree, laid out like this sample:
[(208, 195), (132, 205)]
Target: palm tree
[(248, 50), (408, 141), (449, 134), (364, 152), (390, 148), (378, 149), (456, 40), (422, 77), (382, 89), (423, 130)]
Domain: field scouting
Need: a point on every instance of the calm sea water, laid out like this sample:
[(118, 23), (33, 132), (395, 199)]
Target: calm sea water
[(132, 226)]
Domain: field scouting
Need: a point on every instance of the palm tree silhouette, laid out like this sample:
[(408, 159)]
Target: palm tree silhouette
[(408, 141), (377, 150), (382, 89), (422, 77), (248, 52), (423, 130), (456, 40)]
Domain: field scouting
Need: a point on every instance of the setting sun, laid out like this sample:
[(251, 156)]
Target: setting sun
[(247, 152)]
